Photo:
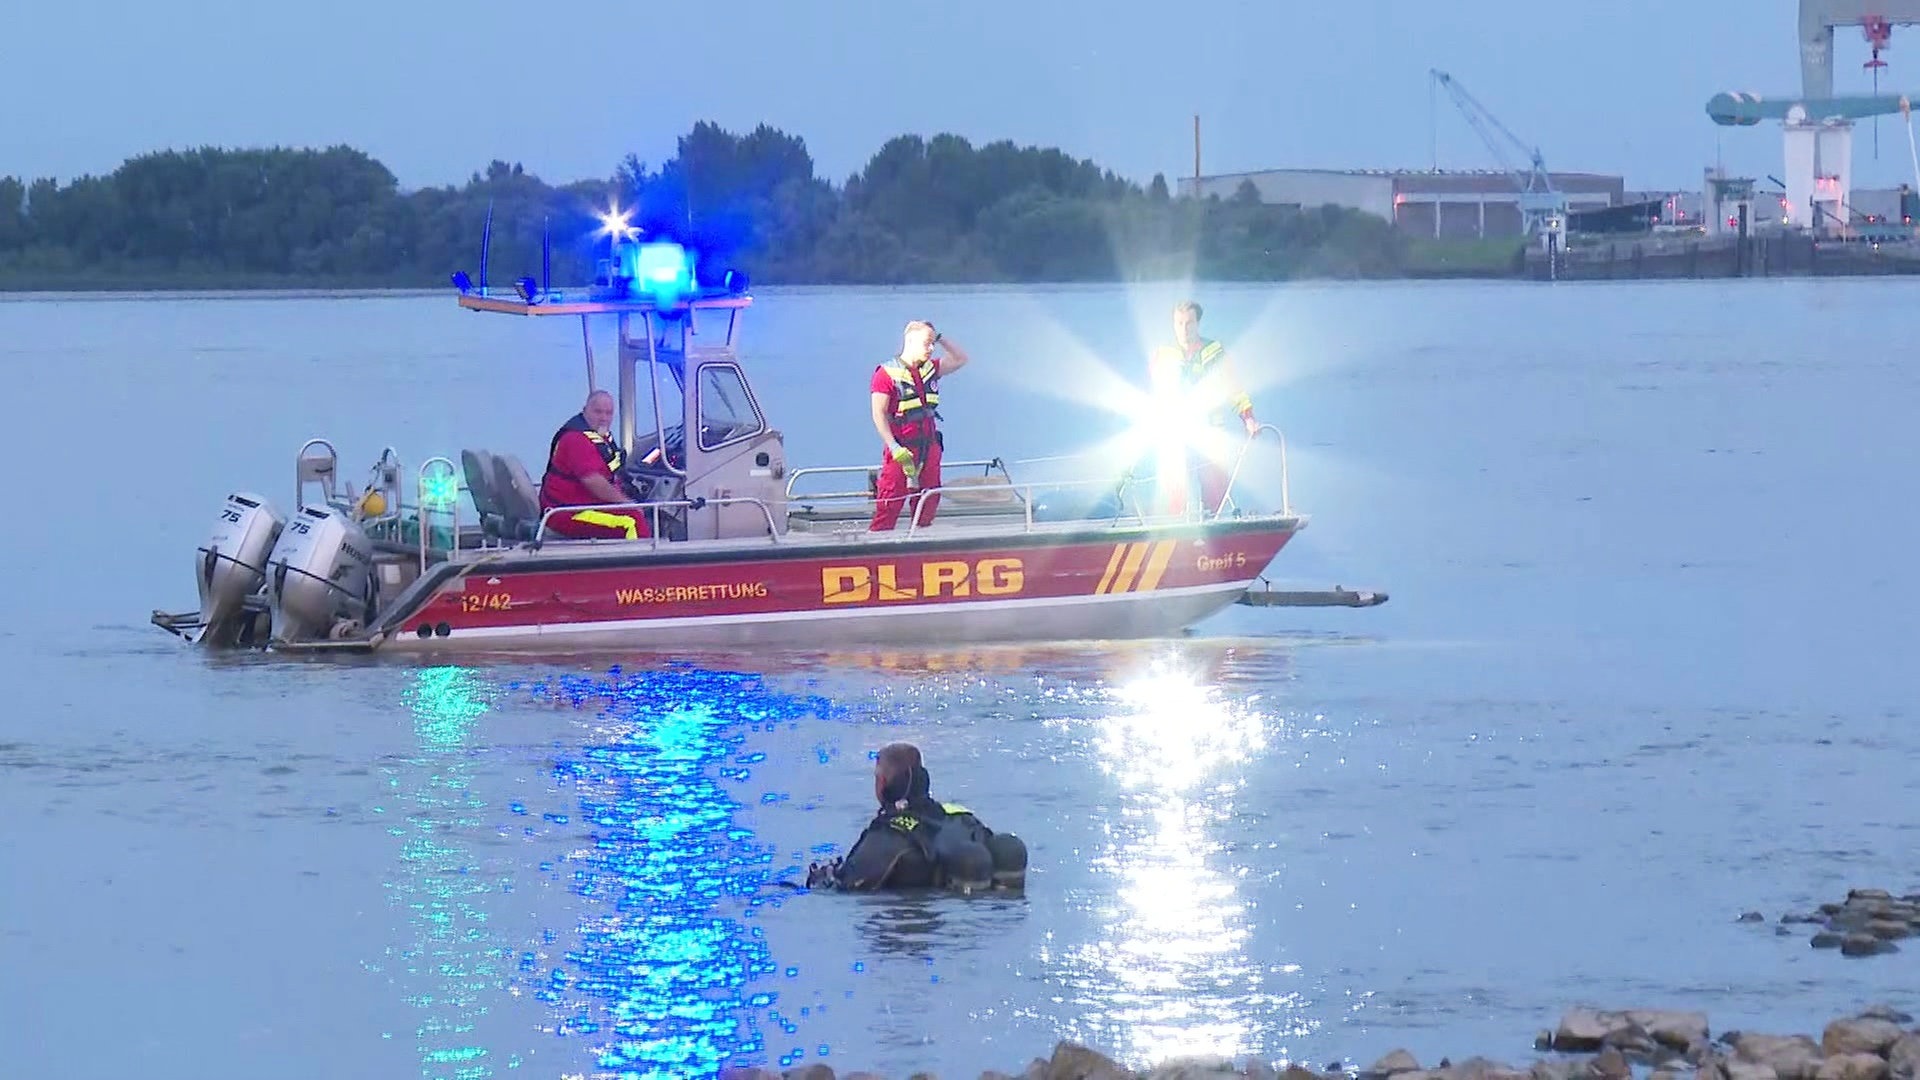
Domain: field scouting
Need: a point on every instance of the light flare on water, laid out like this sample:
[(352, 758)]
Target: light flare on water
[(1170, 953)]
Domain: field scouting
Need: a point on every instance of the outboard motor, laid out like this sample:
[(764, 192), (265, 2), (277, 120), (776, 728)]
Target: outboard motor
[(232, 566), (319, 583)]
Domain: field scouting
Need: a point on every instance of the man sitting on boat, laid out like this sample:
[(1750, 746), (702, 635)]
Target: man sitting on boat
[(583, 469), (905, 393), (916, 842), (1205, 378)]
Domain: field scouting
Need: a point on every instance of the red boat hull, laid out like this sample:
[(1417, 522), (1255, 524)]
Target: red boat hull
[(1097, 584)]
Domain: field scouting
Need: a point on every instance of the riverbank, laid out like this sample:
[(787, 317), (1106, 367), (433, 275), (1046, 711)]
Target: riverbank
[(1438, 264), (1629, 259), (1875, 1043), (1656, 258)]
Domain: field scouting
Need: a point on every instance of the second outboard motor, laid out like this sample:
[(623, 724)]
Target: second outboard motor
[(319, 583), (231, 566)]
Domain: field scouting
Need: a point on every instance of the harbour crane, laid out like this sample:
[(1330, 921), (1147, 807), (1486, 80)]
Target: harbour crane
[(1541, 206)]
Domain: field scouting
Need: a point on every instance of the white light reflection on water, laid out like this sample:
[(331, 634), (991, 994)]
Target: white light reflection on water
[(1168, 971)]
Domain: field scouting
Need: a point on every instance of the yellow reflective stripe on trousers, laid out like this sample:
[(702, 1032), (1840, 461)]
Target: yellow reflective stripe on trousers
[(610, 520)]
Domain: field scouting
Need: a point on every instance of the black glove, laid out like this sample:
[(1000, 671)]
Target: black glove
[(823, 875)]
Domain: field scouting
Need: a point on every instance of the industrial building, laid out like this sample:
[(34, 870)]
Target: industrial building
[(1446, 203)]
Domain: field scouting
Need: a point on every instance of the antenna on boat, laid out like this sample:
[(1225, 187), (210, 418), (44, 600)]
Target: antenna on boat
[(486, 243), (546, 254)]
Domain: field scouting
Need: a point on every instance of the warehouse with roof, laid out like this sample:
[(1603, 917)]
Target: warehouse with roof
[(1444, 203)]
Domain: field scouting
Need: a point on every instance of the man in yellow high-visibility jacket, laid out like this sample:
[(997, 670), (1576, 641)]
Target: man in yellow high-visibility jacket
[(1200, 369)]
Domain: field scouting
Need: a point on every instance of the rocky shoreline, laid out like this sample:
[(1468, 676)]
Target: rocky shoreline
[(1866, 923), (1877, 1043)]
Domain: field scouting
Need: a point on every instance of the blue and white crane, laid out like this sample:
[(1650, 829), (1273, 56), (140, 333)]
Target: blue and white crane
[(1543, 209)]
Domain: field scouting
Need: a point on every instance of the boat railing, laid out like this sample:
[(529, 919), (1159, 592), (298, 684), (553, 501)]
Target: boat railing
[(654, 538), (985, 465), (1240, 459), (1028, 496)]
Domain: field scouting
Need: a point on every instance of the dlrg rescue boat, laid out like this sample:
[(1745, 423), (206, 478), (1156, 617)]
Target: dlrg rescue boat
[(745, 550)]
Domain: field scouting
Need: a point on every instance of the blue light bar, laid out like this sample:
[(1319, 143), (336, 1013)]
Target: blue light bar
[(662, 270)]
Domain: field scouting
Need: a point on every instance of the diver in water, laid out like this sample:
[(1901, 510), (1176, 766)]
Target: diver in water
[(916, 842)]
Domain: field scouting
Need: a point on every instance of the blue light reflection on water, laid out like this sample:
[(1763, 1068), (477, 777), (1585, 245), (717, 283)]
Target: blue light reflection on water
[(668, 970)]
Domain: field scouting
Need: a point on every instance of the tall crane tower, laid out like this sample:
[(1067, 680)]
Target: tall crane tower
[(1542, 208)]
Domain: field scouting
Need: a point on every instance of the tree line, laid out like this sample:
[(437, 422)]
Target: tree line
[(938, 210)]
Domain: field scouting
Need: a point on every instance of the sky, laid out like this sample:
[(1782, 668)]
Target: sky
[(436, 90)]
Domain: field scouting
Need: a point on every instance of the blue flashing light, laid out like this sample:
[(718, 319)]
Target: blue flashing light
[(462, 281), (662, 270)]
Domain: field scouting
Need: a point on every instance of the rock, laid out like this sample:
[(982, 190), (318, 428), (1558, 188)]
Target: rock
[(1751, 916), (1749, 1070), (1868, 894), (1828, 939), (923, 1076), (815, 1071), (1888, 929), (1853, 1067), (1883, 1011), (1072, 1061), (1664, 1074), (1398, 1061), (1903, 1058), (1634, 1031), (992, 1074), (1556, 1070), (1543, 1039), (1861, 1036), (1583, 1029), (1866, 945), (748, 1072), (1791, 918), (1611, 1065), (1790, 1057), (1260, 1070), (1475, 1068), (1632, 1042), (1670, 1027), (1203, 1067)]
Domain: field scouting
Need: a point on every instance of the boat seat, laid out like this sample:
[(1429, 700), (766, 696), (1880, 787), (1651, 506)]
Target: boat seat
[(478, 465), (517, 498)]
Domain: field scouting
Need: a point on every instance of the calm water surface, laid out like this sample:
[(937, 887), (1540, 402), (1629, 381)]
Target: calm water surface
[(1647, 665)]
